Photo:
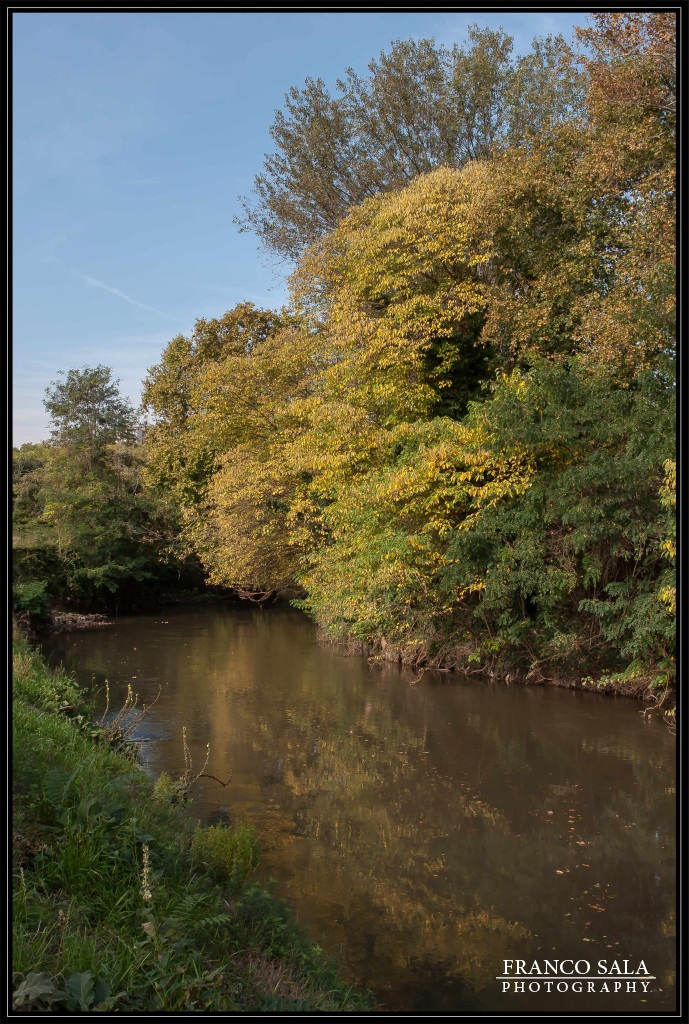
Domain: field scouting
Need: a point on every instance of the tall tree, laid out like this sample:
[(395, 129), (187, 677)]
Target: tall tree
[(193, 423), (420, 107)]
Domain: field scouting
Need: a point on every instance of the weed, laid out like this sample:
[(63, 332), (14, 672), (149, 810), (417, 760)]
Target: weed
[(119, 729), (229, 852)]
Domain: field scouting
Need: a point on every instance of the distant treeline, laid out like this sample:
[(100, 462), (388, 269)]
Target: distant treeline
[(87, 534)]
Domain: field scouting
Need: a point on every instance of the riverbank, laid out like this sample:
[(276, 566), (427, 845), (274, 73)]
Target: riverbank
[(120, 903), (54, 620), (660, 699)]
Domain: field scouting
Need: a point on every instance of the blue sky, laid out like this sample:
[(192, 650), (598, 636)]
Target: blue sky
[(134, 136)]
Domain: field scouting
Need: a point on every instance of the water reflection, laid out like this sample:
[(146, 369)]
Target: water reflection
[(425, 832)]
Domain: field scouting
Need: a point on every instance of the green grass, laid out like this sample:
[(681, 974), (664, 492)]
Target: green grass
[(121, 904)]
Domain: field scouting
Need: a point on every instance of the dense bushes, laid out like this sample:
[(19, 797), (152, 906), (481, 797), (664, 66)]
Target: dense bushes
[(86, 534)]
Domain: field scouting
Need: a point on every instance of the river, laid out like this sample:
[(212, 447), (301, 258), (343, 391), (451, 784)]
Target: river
[(426, 829)]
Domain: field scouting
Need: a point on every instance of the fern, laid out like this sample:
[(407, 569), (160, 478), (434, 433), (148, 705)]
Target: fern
[(56, 785)]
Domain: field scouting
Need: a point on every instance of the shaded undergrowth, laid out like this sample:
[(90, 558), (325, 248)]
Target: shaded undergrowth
[(120, 903)]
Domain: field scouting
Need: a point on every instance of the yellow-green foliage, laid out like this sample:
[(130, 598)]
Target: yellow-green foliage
[(401, 271), (390, 532), (668, 499)]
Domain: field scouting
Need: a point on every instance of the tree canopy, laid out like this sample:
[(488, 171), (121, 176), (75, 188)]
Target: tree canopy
[(86, 532)]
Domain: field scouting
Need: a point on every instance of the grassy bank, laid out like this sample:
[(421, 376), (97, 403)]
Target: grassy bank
[(120, 903)]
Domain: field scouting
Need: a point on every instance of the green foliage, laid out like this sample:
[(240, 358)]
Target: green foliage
[(86, 533), (81, 992), (420, 107), (229, 853), (530, 533), (87, 411), (32, 596), (576, 558)]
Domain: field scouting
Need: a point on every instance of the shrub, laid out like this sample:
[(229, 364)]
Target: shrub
[(32, 596)]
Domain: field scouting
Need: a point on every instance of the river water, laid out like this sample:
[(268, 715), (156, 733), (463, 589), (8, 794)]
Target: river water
[(424, 830)]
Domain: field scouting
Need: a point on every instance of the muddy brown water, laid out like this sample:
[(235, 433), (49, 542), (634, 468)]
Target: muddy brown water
[(423, 832)]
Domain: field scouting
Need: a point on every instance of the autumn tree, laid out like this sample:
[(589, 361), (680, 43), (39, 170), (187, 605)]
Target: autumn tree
[(632, 109), (458, 440), (533, 531), (182, 443), (220, 404)]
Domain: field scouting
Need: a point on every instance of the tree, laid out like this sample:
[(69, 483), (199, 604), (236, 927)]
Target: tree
[(632, 154), (399, 288), (223, 404), (86, 531), (88, 412), (459, 438), (193, 421), (633, 76), (532, 530), (421, 106)]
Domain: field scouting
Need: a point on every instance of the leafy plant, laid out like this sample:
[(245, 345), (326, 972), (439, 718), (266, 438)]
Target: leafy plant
[(32, 596), (80, 992), (229, 852)]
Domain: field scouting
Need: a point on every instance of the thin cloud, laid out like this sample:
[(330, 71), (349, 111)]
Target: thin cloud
[(95, 283)]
